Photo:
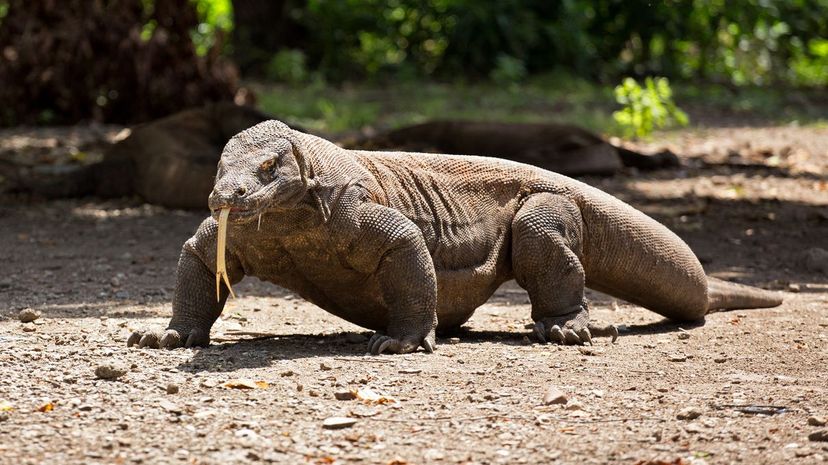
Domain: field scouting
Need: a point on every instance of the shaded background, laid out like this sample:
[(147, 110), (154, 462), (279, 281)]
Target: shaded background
[(343, 64)]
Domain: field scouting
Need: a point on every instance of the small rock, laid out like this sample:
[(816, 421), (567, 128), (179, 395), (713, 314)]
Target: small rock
[(678, 358), (170, 407), (683, 335), (29, 328), (453, 340), (28, 315), (554, 396), (819, 436), (109, 372), (325, 367), (590, 350), (172, 388), (574, 405), (689, 413), (815, 260), (4, 416), (285, 374), (209, 383), (345, 395), (338, 422), (817, 421), (720, 359)]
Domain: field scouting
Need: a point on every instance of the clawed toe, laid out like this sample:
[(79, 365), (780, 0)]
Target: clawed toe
[(380, 343), (571, 334), (170, 339)]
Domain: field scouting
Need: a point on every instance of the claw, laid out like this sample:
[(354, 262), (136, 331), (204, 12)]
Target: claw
[(134, 338), (557, 335), (570, 338), (604, 331), (385, 345), (539, 330), (428, 345), (148, 340), (586, 337), (171, 339)]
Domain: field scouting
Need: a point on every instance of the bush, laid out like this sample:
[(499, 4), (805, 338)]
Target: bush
[(646, 108), (288, 66)]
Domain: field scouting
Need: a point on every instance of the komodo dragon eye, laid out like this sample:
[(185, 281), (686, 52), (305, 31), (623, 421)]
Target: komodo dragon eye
[(269, 167)]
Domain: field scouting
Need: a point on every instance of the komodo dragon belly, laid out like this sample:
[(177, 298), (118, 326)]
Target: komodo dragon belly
[(321, 275)]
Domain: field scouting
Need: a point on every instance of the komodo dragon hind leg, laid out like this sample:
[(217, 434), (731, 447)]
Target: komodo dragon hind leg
[(546, 258)]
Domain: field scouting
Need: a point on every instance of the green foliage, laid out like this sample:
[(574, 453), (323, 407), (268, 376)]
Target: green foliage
[(646, 108), (287, 66), (749, 42), (215, 20), (508, 70)]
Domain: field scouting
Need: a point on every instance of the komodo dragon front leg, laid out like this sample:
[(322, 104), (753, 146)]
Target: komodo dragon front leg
[(195, 308), (391, 248), (547, 247)]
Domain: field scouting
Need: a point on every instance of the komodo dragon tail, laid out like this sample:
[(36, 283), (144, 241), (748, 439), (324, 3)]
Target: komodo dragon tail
[(724, 295)]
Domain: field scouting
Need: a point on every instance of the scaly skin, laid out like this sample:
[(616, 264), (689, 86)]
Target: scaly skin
[(408, 244)]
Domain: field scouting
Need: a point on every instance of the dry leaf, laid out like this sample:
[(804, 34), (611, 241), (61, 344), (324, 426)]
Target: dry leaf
[(5, 406), (244, 383), (370, 397), (47, 407)]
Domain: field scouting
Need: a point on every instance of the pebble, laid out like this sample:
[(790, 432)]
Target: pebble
[(683, 335), (28, 315), (590, 350), (345, 395), (29, 328), (554, 396), (109, 372), (574, 405), (817, 421), (338, 422), (4, 416), (172, 388), (325, 367), (819, 436), (678, 358), (453, 340), (170, 407), (689, 413)]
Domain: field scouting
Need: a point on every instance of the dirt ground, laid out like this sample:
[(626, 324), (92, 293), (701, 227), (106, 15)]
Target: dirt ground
[(752, 202)]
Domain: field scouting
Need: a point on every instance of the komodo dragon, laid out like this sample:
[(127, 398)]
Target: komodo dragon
[(409, 243)]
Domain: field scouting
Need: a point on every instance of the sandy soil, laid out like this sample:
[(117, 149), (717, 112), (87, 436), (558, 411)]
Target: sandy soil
[(751, 206)]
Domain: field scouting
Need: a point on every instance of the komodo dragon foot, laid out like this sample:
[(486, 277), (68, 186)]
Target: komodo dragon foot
[(572, 328), (169, 339), (380, 343)]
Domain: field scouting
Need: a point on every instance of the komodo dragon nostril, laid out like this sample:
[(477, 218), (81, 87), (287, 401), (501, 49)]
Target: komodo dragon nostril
[(241, 191)]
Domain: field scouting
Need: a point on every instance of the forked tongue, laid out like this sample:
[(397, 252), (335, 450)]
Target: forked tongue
[(221, 265)]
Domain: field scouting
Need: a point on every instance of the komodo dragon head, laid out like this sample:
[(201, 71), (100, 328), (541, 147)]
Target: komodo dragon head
[(262, 168)]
